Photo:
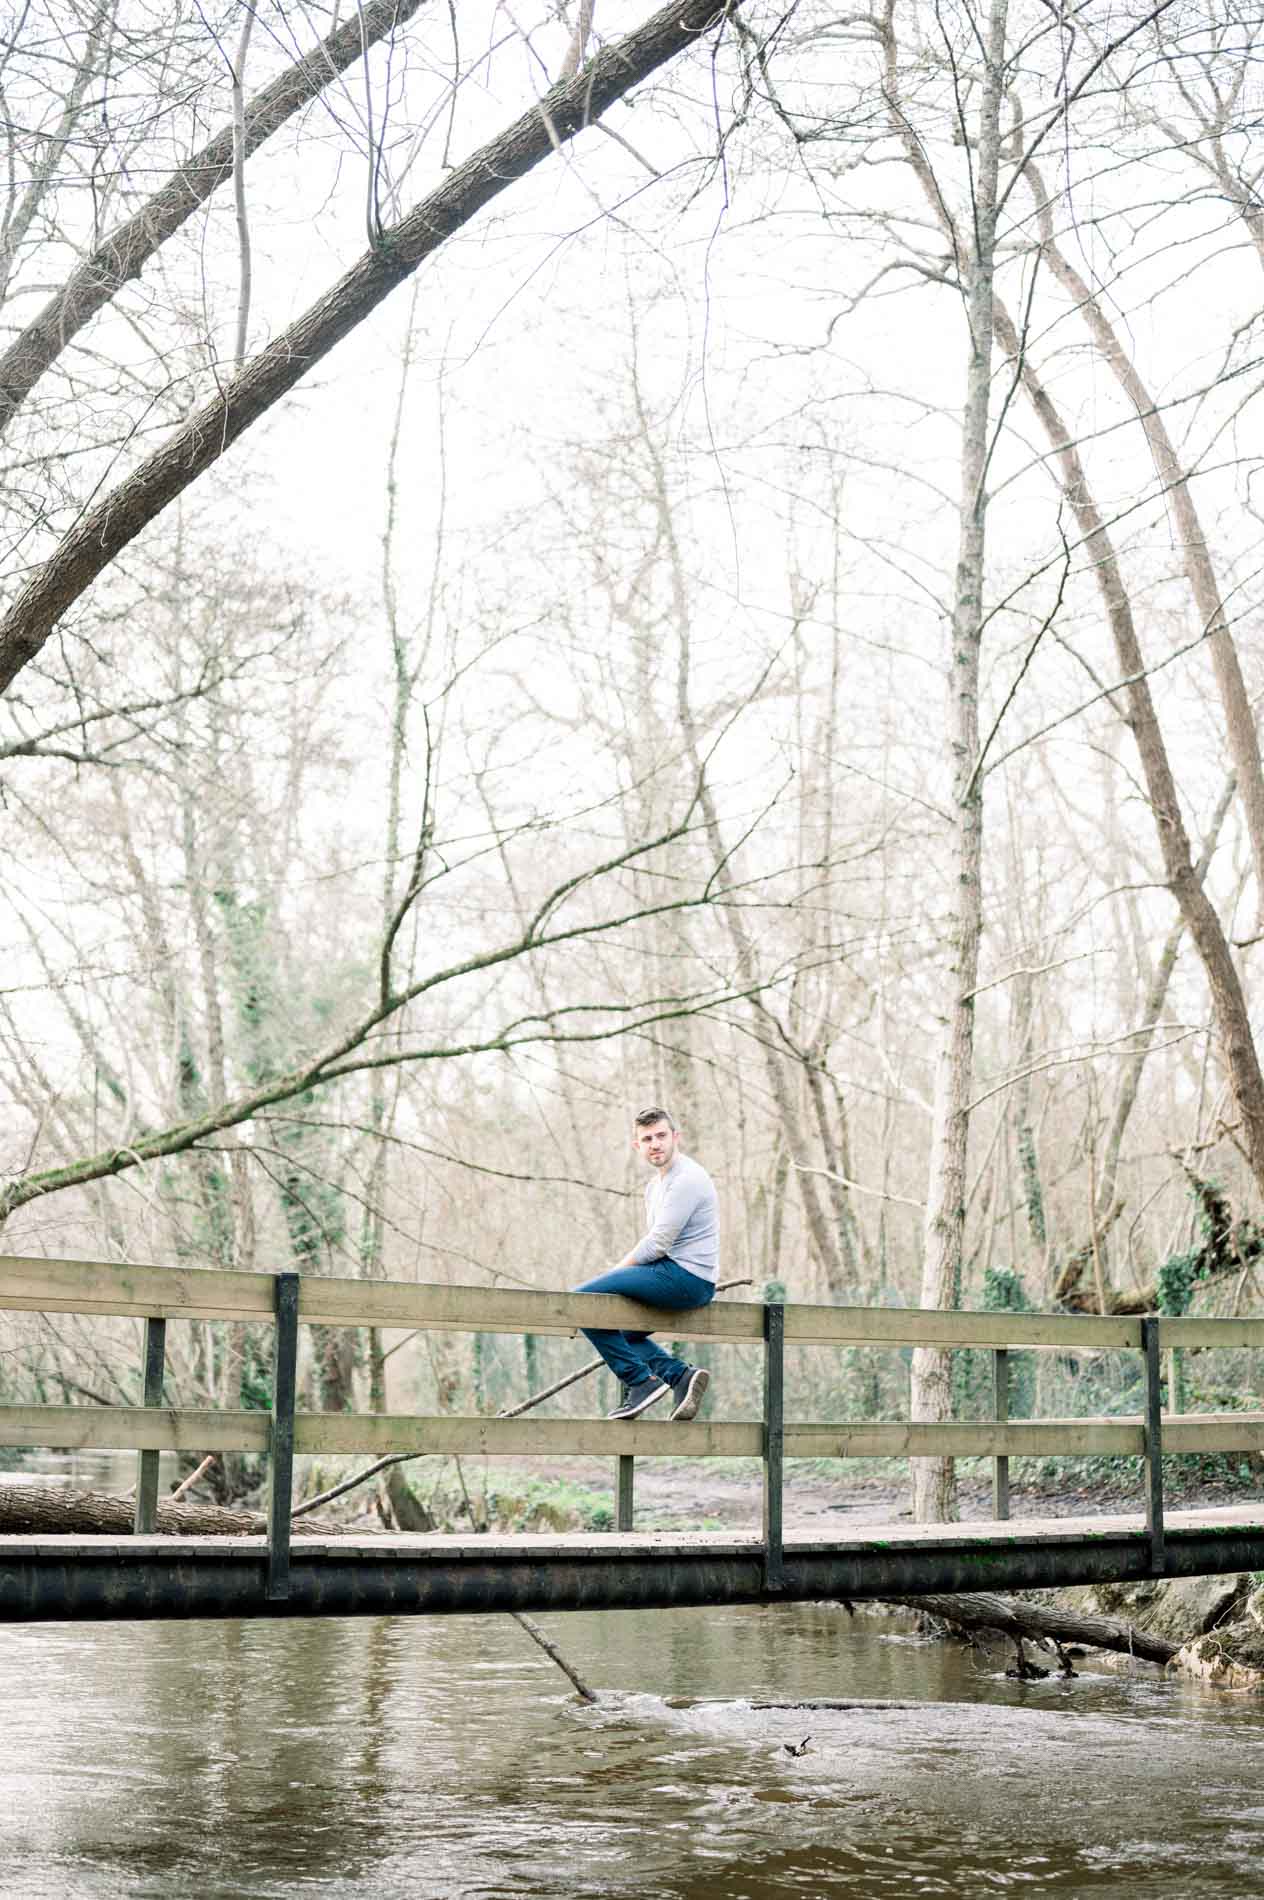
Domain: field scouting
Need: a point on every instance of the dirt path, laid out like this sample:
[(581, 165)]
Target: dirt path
[(671, 1496)]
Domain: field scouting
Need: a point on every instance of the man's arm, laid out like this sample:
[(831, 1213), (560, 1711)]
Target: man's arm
[(679, 1200)]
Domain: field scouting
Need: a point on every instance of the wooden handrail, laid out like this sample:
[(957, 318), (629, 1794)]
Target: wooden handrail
[(144, 1291), (137, 1428)]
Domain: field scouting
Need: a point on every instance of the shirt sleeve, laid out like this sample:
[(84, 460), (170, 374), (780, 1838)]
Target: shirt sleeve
[(677, 1204)]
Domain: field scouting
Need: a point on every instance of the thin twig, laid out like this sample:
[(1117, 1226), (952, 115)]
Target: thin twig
[(880, 1194), (551, 1650), (187, 1484), (245, 264)]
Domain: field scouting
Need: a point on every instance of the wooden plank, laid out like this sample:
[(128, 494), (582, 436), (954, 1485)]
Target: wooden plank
[(1020, 1438), (126, 1290), (513, 1310), (132, 1428), (1212, 1332), (127, 1428), (136, 1428), (535, 1547), (338, 1433), (919, 1326), (1214, 1431), (138, 1290), (1229, 1519), (122, 1289)]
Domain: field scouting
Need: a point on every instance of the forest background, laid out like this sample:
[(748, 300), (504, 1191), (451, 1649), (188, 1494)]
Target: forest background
[(557, 561)]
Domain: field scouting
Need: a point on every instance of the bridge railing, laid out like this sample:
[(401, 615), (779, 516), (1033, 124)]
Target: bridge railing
[(159, 1294)]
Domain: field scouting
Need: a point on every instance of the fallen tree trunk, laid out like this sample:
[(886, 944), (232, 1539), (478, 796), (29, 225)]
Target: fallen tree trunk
[(29, 1509), (980, 1610), (1228, 1246)]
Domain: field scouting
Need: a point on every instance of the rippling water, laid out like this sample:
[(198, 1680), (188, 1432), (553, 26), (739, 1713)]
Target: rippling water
[(446, 1757)]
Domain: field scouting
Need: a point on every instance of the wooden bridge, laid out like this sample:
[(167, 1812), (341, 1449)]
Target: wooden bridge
[(69, 1577)]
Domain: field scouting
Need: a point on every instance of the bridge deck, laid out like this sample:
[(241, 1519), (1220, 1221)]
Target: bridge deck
[(104, 1578)]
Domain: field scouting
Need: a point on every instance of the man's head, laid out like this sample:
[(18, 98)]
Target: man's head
[(655, 1137)]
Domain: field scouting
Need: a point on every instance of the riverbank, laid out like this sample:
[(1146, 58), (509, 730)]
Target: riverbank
[(1218, 1621)]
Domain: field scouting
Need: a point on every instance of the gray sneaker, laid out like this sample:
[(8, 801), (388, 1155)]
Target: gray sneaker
[(691, 1390), (640, 1398)]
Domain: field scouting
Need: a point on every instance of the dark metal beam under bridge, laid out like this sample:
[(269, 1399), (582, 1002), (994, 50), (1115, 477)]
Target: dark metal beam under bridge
[(106, 1579)]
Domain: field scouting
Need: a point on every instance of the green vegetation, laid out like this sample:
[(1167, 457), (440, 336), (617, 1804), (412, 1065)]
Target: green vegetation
[(1225, 1245), (505, 1501)]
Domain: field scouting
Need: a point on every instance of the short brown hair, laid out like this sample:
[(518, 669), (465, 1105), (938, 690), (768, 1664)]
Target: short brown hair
[(648, 1117)]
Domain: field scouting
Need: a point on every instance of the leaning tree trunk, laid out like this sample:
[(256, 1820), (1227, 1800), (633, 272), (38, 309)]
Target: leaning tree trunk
[(1241, 738), (1138, 1048), (1184, 878), (101, 532), (122, 255)]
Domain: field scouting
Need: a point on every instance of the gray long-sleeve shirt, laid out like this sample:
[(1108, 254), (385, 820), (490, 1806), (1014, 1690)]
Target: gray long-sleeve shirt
[(682, 1212)]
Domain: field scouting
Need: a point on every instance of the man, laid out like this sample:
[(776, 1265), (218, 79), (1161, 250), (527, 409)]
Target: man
[(676, 1265)]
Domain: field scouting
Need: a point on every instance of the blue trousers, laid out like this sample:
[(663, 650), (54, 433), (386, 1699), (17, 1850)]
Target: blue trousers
[(633, 1357)]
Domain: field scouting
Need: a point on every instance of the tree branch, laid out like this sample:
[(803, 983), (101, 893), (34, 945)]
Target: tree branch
[(104, 531), (127, 250), (348, 1057)]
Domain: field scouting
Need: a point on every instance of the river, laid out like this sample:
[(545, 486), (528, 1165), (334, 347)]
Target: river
[(446, 1757)]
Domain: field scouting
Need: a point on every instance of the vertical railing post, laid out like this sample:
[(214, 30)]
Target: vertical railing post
[(145, 1516), (1000, 1412), (281, 1477), (624, 1479), (1152, 1364), (774, 1441), (623, 1493), (1175, 1380)]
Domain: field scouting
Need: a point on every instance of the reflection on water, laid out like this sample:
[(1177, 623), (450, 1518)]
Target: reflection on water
[(112, 1471), (445, 1758)]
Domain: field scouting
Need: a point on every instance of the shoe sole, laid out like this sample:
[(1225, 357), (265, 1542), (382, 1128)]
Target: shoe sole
[(644, 1406), (694, 1394)]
